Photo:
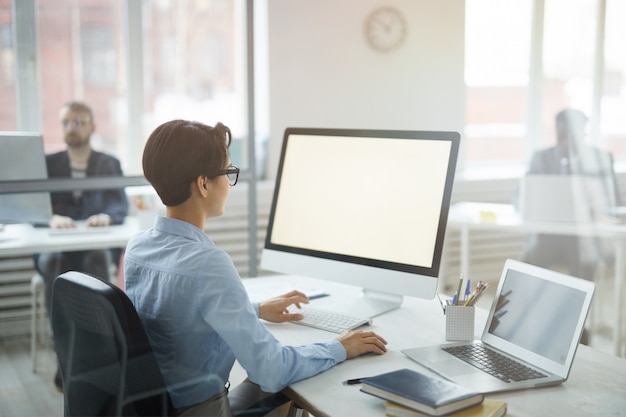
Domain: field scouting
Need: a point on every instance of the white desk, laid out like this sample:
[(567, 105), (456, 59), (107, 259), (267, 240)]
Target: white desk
[(471, 216), (23, 239), (596, 386)]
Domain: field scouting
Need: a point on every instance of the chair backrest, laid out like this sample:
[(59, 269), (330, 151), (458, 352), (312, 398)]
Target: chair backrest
[(106, 360)]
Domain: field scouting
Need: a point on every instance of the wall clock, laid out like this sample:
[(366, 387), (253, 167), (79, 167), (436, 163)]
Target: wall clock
[(385, 28)]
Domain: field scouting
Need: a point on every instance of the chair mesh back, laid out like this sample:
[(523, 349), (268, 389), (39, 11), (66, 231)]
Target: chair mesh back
[(105, 357)]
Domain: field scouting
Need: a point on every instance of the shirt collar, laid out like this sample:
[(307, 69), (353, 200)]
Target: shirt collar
[(180, 228)]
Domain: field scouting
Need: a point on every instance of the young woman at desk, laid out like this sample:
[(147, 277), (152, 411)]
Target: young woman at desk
[(190, 298)]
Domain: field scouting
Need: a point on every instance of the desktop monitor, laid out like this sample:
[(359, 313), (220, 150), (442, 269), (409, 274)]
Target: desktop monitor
[(363, 207), (22, 157)]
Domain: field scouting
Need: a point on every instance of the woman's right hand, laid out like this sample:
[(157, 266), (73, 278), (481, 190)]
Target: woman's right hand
[(358, 342)]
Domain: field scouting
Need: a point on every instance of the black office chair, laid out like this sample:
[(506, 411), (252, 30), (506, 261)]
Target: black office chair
[(106, 360)]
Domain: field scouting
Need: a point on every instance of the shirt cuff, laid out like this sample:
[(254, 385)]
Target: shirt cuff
[(337, 351), (256, 308)]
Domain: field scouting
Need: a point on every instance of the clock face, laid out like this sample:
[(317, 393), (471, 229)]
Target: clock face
[(385, 28)]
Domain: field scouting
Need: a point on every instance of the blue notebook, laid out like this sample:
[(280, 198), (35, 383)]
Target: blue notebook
[(430, 395)]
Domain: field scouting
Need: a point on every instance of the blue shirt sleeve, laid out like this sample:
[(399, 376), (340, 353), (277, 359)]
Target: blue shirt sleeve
[(228, 310)]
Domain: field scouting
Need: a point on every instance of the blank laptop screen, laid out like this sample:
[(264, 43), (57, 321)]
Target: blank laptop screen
[(537, 315)]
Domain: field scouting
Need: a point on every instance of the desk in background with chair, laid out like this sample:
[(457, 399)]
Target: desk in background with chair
[(23, 240), (467, 217)]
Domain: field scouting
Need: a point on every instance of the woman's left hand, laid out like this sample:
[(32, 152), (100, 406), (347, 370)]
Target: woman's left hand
[(275, 309)]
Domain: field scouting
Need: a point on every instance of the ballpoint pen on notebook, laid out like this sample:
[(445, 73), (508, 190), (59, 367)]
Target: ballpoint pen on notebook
[(353, 381)]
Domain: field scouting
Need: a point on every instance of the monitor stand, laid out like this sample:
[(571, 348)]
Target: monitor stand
[(369, 304)]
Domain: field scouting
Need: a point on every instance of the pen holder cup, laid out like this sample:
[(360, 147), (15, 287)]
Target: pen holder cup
[(459, 322)]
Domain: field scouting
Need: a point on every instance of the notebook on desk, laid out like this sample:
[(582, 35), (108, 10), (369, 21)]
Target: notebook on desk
[(536, 320), (566, 198)]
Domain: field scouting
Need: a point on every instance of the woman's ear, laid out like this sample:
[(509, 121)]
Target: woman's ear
[(202, 185)]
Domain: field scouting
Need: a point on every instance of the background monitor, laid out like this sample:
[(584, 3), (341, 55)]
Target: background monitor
[(22, 157), (363, 207)]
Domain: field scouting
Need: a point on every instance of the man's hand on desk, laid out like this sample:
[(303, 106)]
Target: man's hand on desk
[(357, 343), (275, 309), (61, 222), (98, 220), (64, 222)]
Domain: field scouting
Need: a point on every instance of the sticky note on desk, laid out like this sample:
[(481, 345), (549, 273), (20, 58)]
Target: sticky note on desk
[(487, 216)]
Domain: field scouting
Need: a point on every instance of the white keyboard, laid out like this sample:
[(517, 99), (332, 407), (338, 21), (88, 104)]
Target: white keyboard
[(329, 320), (81, 230)]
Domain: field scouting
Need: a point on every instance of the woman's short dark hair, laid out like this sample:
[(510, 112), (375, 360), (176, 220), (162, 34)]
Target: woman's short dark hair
[(178, 152)]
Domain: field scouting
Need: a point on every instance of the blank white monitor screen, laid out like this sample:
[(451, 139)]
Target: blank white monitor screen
[(22, 158), (363, 207)]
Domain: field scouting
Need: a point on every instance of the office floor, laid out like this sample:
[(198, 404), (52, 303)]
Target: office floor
[(22, 392), (27, 394)]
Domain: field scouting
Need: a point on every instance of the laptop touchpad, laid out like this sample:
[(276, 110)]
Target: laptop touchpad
[(453, 367)]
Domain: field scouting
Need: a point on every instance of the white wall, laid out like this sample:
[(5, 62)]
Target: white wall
[(322, 73)]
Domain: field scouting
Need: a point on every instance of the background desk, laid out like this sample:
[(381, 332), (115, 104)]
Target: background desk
[(472, 216), (23, 239), (596, 386), (18, 242)]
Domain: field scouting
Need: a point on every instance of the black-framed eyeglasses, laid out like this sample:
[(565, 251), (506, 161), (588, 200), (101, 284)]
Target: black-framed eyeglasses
[(76, 123), (232, 172)]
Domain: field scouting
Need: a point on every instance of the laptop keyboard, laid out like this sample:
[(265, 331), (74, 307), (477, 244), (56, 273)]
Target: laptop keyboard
[(494, 363), (329, 320)]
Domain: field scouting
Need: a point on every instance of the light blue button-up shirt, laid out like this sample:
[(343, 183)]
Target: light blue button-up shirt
[(199, 318)]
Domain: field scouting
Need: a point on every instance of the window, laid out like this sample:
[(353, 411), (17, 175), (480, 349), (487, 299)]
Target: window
[(194, 65), (528, 59), (496, 75), (521, 56), (8, 116), (193, 55), (81, 55), (613, 104), (568, 61)]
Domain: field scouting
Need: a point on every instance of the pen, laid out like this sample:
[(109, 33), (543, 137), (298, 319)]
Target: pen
[(470, 299), (458, 290), (468, 302), (353, 381), (478, 295), (467, 289), (316, 296)]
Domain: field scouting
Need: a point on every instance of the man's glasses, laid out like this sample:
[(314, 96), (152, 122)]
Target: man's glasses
[(232, 172), (74, 123)]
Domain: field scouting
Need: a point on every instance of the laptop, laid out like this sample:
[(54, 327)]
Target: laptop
[(536, 320), (566, 198), (23, 158)]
